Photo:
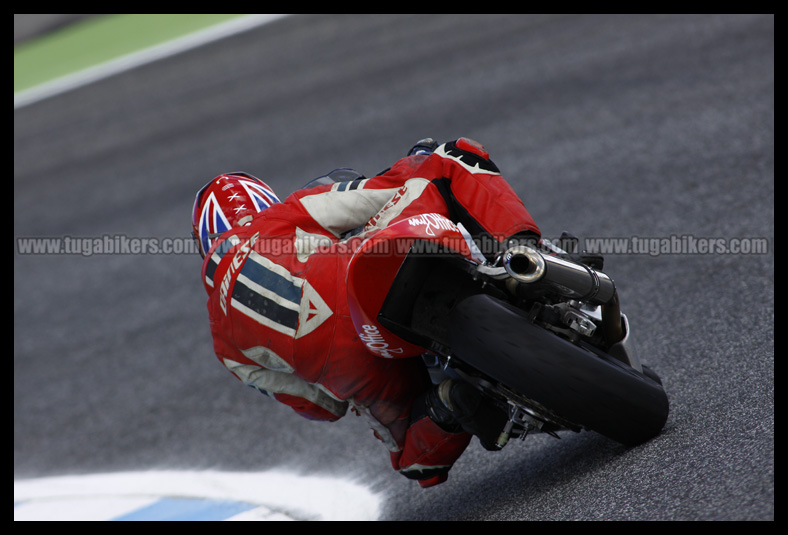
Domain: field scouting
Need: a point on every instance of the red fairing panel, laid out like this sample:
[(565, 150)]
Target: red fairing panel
[(374, 266)]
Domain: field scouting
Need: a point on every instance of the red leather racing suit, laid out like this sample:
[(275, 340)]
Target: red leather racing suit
[(277, 299)]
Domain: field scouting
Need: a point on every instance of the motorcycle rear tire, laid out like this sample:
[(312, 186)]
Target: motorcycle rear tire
[(581, 385)]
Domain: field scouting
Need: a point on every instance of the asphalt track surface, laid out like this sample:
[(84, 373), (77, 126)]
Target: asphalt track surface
[(615, 126)]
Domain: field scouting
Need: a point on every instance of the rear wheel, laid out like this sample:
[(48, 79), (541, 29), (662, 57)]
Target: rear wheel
[(582, 386)]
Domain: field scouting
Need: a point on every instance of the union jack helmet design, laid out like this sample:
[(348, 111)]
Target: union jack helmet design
[(228, 201)]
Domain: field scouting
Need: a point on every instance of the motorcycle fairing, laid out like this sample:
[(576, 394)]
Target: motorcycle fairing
[(375, 265)]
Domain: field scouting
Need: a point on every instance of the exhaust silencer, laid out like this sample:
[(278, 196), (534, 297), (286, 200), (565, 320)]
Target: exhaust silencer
[(528, 266)]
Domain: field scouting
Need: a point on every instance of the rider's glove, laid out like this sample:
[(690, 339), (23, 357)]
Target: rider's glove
[(568, 242), (423, 146), (592, 260)]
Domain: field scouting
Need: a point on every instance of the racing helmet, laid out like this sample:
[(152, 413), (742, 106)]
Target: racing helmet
[(228, 201)]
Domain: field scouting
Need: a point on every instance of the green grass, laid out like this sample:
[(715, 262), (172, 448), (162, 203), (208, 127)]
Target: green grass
[(98, 40)]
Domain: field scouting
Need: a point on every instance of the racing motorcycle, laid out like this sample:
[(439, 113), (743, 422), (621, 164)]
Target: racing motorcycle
[(538, 332)]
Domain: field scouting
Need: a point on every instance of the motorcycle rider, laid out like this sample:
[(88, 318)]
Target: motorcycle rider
[(274, 274)]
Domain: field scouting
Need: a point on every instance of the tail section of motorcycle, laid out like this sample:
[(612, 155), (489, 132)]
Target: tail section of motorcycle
[(540, 335)]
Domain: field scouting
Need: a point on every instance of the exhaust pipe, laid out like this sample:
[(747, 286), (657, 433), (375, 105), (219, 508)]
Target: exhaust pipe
[(528, 266)]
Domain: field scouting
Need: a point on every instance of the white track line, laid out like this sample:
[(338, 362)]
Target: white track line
[(272, 495), (142, 57)]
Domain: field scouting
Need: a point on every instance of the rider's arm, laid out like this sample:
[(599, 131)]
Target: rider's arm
[(344, 206), (340, 208), (476, 194), (460, 182)]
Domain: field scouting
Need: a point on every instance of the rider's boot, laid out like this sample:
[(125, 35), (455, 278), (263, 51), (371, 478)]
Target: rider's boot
[(456, 405)]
